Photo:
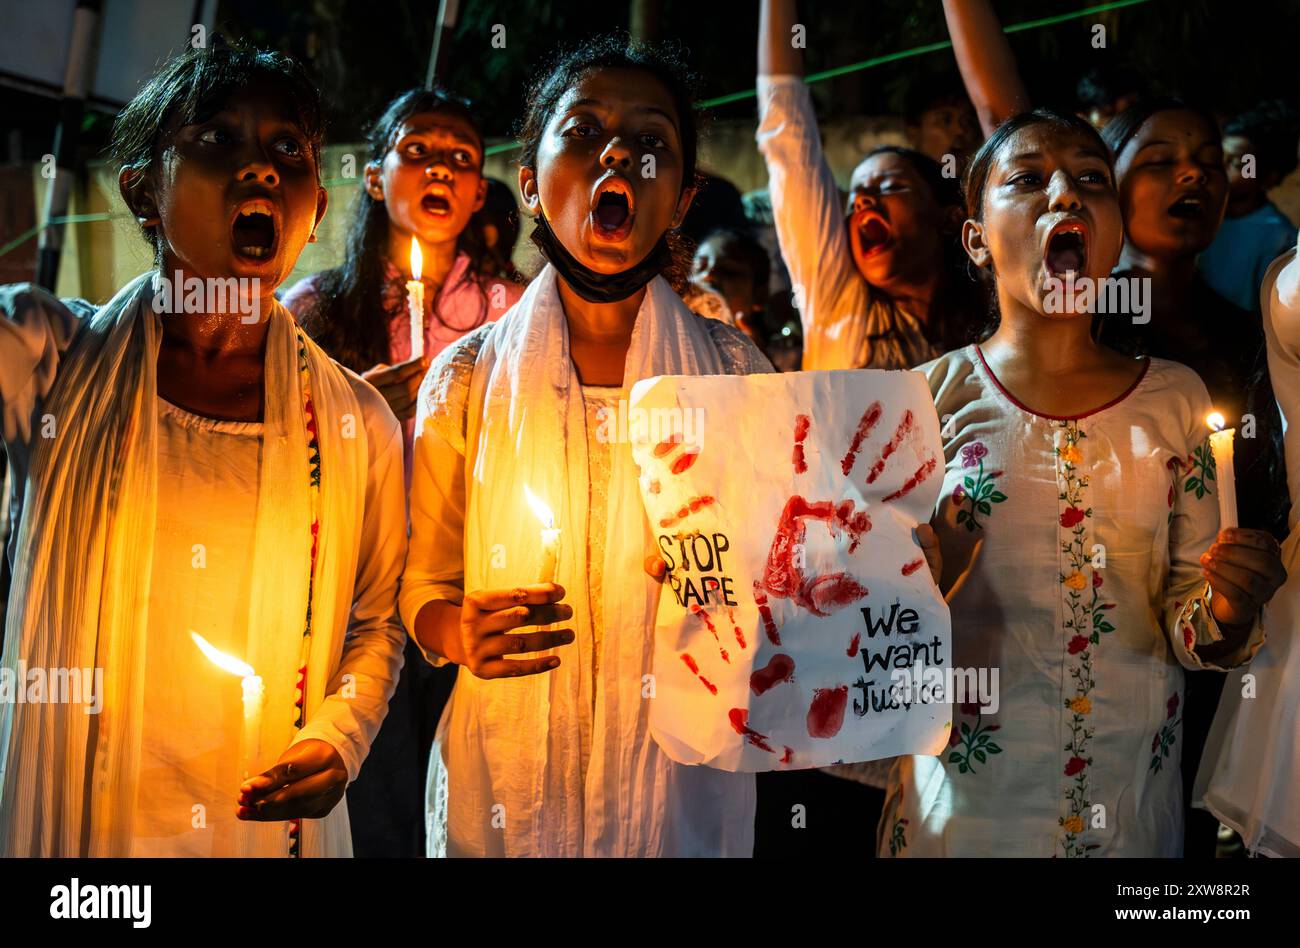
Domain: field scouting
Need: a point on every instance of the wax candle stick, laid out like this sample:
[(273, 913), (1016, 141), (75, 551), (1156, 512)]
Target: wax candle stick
[(254, 698), (550, 536), (250, 744), (1221, 445), (415, 301)]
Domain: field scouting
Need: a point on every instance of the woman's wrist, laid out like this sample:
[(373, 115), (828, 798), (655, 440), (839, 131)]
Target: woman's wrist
[(437, 629)]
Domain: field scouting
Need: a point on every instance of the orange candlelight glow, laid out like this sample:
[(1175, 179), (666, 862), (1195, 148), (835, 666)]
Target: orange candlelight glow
[(550, 536), (417, 259), (540, 510), (223, 661), (254, 695), (1221, 447)]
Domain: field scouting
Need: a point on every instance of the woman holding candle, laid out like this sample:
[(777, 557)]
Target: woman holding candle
[(1251, 767), (551, 754), (1078, 525), (416, 211), (207, 471), (1173, 190), (419, 272)]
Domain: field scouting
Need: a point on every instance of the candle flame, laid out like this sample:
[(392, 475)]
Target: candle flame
[(221, 659), (1215, 421), (417, 259), (540, 510)]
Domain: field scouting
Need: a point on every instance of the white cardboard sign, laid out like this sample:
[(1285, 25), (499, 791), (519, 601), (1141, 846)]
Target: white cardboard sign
[(799, 625)]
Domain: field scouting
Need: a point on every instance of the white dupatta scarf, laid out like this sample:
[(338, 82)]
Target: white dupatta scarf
[(80, 595), (571, 761)]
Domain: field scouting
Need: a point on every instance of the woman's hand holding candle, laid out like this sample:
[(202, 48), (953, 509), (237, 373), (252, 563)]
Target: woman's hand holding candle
[(1244, 569), (306, 783), (479, 634), (399, 384)]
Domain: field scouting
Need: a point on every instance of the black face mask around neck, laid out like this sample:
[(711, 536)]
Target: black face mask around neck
[(599, 287)]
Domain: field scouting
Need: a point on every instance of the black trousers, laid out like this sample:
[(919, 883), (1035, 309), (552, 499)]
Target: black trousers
[(386, 801), (838, 817)]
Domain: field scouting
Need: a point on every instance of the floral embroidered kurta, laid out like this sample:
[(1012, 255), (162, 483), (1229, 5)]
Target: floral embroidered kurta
[(1071, 546)]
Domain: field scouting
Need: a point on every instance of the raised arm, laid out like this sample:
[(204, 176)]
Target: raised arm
[(777, 55), (807, 209), (984, 57)]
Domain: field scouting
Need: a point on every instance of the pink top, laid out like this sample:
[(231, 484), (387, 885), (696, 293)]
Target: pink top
[(460, 305)]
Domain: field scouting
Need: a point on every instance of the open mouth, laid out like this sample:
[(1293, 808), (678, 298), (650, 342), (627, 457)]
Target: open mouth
[(1067, 249), (252, 233), (1189, 207), (613, 212), (436, 204), (874, 235)]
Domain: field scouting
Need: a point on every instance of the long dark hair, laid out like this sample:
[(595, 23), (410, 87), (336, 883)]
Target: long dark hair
[(192, 87), (666, 62), (960, 298), (347, 317), (981, 163)]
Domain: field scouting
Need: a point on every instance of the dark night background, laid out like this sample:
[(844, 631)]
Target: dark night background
[(1227, 53)]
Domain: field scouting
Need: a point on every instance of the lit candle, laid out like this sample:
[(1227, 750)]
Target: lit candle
[(1221, 445), (415, 301), (250, 736), (550, 536)]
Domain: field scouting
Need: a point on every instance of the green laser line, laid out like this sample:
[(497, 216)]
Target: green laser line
[(64, 219), (921, 50), (704, 104), (1062, 17), (887, 58)]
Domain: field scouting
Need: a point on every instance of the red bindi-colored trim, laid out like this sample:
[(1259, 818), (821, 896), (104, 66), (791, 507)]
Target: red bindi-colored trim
[(1146, 365)]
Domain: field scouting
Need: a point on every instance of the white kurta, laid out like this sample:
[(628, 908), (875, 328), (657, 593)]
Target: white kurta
[(208, 476), (600, 774), (1250, 774), (193, 711), (1072, 546)]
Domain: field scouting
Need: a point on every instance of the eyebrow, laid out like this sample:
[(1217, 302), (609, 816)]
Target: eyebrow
[(454, 134), (1089, 152), (1208, 143), (651, 109)]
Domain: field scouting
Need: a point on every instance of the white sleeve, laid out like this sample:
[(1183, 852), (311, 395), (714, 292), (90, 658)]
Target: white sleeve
[(372, 648), (36, 328), (809, 216), (1280, 301), (435, 562)]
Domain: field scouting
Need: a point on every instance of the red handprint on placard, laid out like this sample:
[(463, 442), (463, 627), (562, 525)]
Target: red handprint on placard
[(783, 575), (824, 593), (678, 458)]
